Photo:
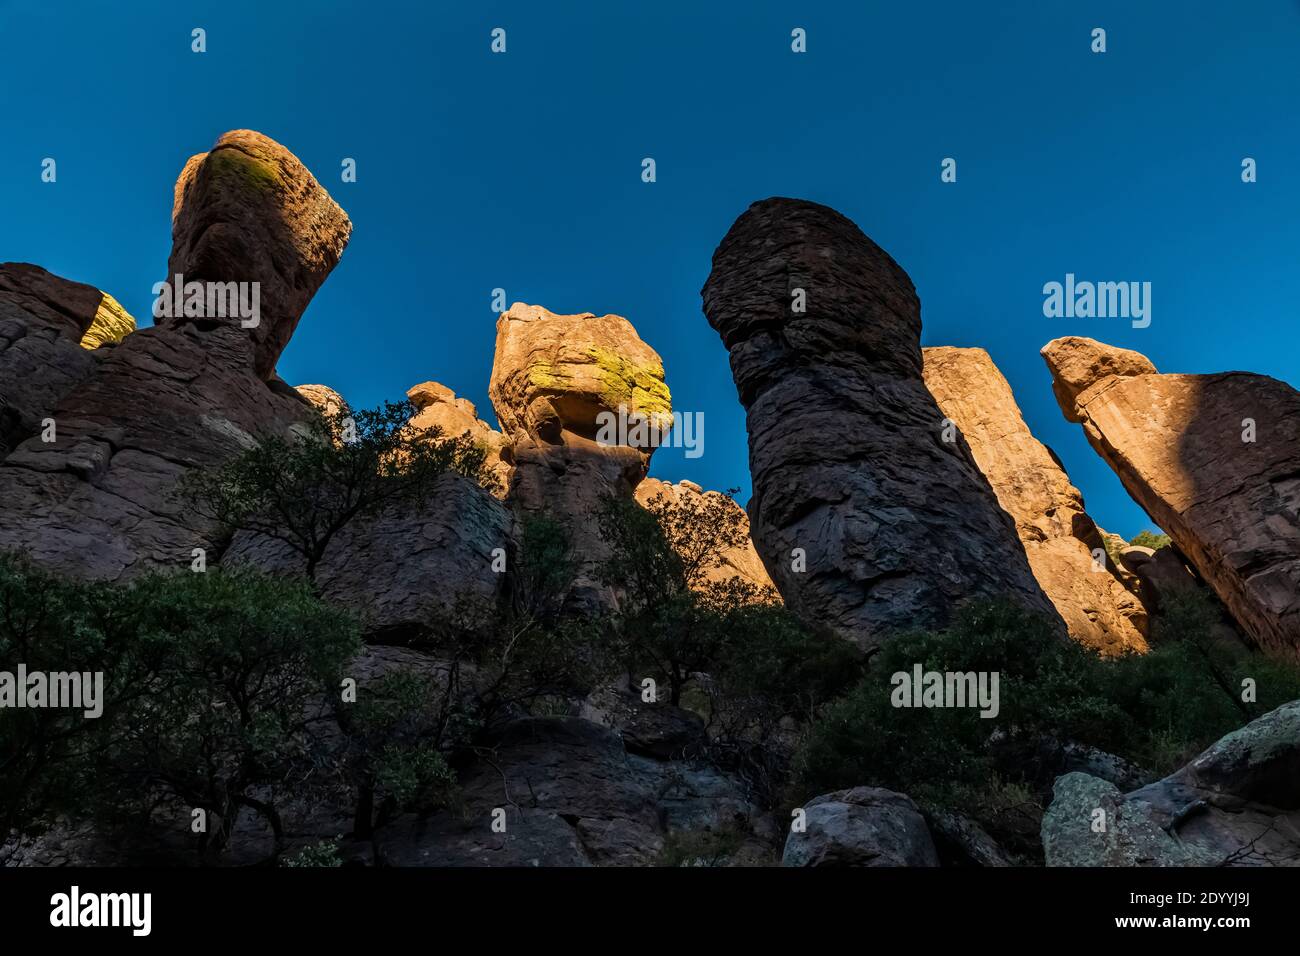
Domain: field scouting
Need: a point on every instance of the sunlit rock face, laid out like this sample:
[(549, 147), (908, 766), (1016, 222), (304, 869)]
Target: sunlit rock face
[(556, 380), (438, 407), (1060, 539), (867, 520), (100, 499), (1214, 460)]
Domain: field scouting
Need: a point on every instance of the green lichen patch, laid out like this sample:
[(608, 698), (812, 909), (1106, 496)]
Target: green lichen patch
[(232, 167)]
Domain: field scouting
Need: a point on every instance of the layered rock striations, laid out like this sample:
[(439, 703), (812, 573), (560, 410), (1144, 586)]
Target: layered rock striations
[(1214, 460), (849, 469), (49, 327), (1060, 540)]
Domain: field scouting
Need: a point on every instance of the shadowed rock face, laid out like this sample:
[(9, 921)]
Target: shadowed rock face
[(47, 327), (1060, 540), (100, 500), (845, 444), (1231, 506), (249, 211)]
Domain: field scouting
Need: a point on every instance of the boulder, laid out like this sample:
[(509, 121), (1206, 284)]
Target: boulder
[(653, 730), (850, 473), (48, 329), (742, 562), (1214, 460), (1237, 804), (323, 398), (864, 826), (553, 378), (249, 211), (1060, 539)]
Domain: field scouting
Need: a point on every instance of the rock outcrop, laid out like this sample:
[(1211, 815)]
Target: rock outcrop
[(100, 499), (556, 380), (742, 562), (1061, 541), (1214, 460), (865, 826), (1237, 804), (249, 211), (458, 418), (850, 473), (408, 571), (48, 327)]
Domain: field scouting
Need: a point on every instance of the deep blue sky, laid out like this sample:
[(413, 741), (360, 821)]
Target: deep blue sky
[(523, 171)]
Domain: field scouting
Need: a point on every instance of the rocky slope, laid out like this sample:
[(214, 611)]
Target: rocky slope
[(1214, 460)]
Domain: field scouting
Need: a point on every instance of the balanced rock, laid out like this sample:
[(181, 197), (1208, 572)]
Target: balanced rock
[(248, 211), (560, 386), (101, 498), (47, 327), (1060, 540), (742, 562), (851, 476), (1214, 460)]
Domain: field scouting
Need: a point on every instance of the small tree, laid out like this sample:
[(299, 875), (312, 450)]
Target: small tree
[(303, 490), (661, 560)]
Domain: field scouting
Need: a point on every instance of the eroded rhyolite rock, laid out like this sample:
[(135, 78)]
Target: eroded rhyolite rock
[(554, 373), (456, 418), (249, 211), (552, 378), (1214, 460), (323, 398), (47, 327), (101, 500), (1237, 804), (1060, 539), (845, 449), (743, 562)]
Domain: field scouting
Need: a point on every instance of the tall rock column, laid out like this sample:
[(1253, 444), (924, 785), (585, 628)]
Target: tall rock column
[(1061, 541), (1213, 459), (849, 468)]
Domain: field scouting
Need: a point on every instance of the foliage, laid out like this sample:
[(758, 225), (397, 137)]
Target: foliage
[(1156, 709), (322, 854), (213, 682), (1150, 539), (304, 489)]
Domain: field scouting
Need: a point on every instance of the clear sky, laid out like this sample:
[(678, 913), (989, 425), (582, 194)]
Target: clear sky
[(523, 171)]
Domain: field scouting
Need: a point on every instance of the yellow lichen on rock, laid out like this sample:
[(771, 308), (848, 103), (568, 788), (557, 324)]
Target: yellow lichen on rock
[(111, 324)]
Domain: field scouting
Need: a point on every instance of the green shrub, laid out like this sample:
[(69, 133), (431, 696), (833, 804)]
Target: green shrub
[(1150, 539)]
